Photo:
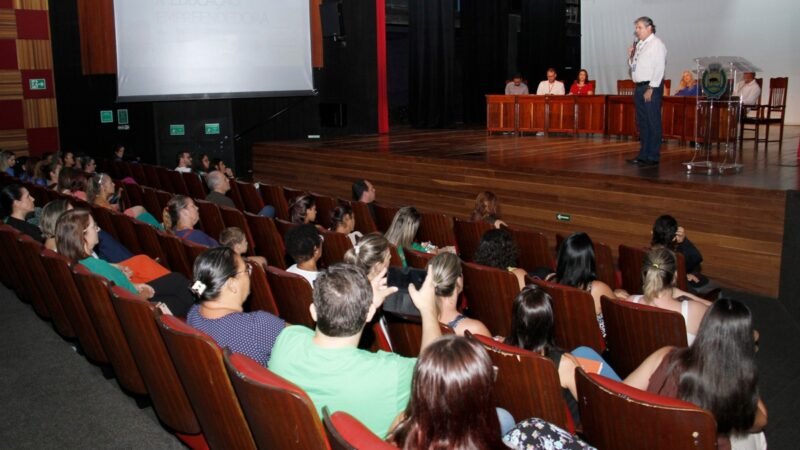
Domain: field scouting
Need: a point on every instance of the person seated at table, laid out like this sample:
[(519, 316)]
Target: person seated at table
[(748, 89), (102, 192), (343, 220), (221, 283), (499, 250), (581, 86), (688, 87), (718, 373), (304, 245), (76, 238), (235, 238), (658, 275), (551, 86), (516, 86), (16, 204), (487, 209), (449, 282)]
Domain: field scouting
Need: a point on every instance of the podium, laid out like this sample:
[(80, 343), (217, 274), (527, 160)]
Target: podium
[(717, 116)]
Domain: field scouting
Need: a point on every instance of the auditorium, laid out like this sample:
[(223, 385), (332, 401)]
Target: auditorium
[(399, 224)]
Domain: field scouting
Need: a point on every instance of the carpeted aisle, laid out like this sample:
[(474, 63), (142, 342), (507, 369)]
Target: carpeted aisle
[(52, 397)]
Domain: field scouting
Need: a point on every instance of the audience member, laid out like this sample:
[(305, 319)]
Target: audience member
[(326, 363), (184, 162), (516, 86), (667, 233), (575, 267), (371, 255), (76, 238), (16, 204), (48, 174), (222, 285), (88, 164), (303, 209), (102, 192), (448, 281), (47, 223), (532, 328), (180, 217), (487, 209), (304, 245), (7, 162), (343, 220), (235, 238), (219, 164), (551, 86), (582, 86), (717, 372), (119, 154), (218, 187), (73, 182), (403, 230), (499, 250), (203, 166), (688, 87), (68, 159), (364, 191)]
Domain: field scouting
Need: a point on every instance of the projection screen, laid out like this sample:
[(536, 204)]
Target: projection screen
[(195, 49)]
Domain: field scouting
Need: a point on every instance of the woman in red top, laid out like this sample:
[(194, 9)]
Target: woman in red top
[(581, 86)]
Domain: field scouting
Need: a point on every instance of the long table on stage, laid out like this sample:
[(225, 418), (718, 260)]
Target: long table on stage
[(602, 114)]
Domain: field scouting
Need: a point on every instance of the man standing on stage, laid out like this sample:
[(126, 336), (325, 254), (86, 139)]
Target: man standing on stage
[(647, 60)]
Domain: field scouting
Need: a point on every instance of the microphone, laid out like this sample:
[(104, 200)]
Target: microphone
[(635, 42)]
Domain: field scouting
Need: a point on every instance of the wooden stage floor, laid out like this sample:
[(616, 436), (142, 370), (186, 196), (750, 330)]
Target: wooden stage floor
[(735, 219)]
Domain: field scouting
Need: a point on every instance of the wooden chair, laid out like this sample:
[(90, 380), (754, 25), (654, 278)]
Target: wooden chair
[(395, 260), (615, 416), (364, 221), (150, 243), (290, 193), (405, 333), (574, 316), (11, 275), (59, 270), (28, 289), (534, 251), (773, 113), (527, 384), (292, 295), (261, 298), (191, 251), (334, 247), (194, 184), (634, 331), (437, 229), (235, 218), (283, 227), (625, 87), (384, 215), (253, 203), (178, 185), (325, 206), (126, 232), (199, 364), (166, 391), (417, 260), (165, 180), (345, 432), (176, 259), (604, 267), (490, 293), (151, 176), (236, 196), (468, 236), (269, 243), (281, 415), (32, 252), (137, 172), (163, 197), (102, 217), (150, 201), (273, 195), (631, 260), (211, 218), (134, 194), (96, 299)]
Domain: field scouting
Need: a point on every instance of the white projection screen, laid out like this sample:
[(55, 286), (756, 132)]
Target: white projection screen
[(197, 49), (762, 32)]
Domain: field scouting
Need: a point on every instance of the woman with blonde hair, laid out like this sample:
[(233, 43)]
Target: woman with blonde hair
[(370, 254), (688, 87), (100, 192), (448, 282), (487, 210), (403, 230)]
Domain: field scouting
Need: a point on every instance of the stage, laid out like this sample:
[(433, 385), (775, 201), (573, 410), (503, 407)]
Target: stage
[(736, 220)]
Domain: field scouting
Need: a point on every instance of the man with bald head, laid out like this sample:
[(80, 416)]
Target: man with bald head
[(219, 185)]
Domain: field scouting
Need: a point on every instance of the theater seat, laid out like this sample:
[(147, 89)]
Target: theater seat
[(575, 317), (345, 432), (292, 295)]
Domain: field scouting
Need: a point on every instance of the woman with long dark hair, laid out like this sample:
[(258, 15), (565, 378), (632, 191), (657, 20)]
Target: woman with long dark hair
[(16, 203), (667, 233), (487, 209), (575, 267), (717, 372)]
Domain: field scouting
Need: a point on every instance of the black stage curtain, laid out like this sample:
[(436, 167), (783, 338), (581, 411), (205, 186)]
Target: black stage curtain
[(541, 41), (484, 26), (431, 35)]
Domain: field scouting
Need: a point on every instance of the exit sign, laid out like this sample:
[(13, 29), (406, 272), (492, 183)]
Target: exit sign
[(106, 116), (37, 84), (212, 128), (177, 129)]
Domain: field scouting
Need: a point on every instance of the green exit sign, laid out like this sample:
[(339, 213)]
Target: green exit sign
[(177, 129), (106, 116), (563, 217), (37, 84), (212, 128)]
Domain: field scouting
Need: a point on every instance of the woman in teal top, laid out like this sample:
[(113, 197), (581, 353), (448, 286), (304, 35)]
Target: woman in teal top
[(101, 191), (76, 238), (403, 230)]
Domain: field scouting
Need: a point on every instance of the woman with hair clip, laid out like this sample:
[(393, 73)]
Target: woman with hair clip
[(532, 329), (343, 220), (575, 267), (222, 285), (487, 209), (449, 282), (102, 192), (77, 235), (303, 210), (667, 233), (717, 372), (658, 275), (16, 203)]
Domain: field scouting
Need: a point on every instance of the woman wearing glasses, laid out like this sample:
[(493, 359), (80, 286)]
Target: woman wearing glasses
[(76, 238), (222, 284)]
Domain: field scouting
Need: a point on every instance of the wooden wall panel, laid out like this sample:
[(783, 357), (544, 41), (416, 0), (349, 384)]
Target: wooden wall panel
[(34, 54), (98, 48), (10, 85), (8, 24), (40, 113)]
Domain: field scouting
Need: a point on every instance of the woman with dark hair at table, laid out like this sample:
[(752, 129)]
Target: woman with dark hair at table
[(581, 86)]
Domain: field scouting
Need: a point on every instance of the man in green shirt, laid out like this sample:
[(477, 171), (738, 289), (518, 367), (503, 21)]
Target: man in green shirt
[(327, 364)]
